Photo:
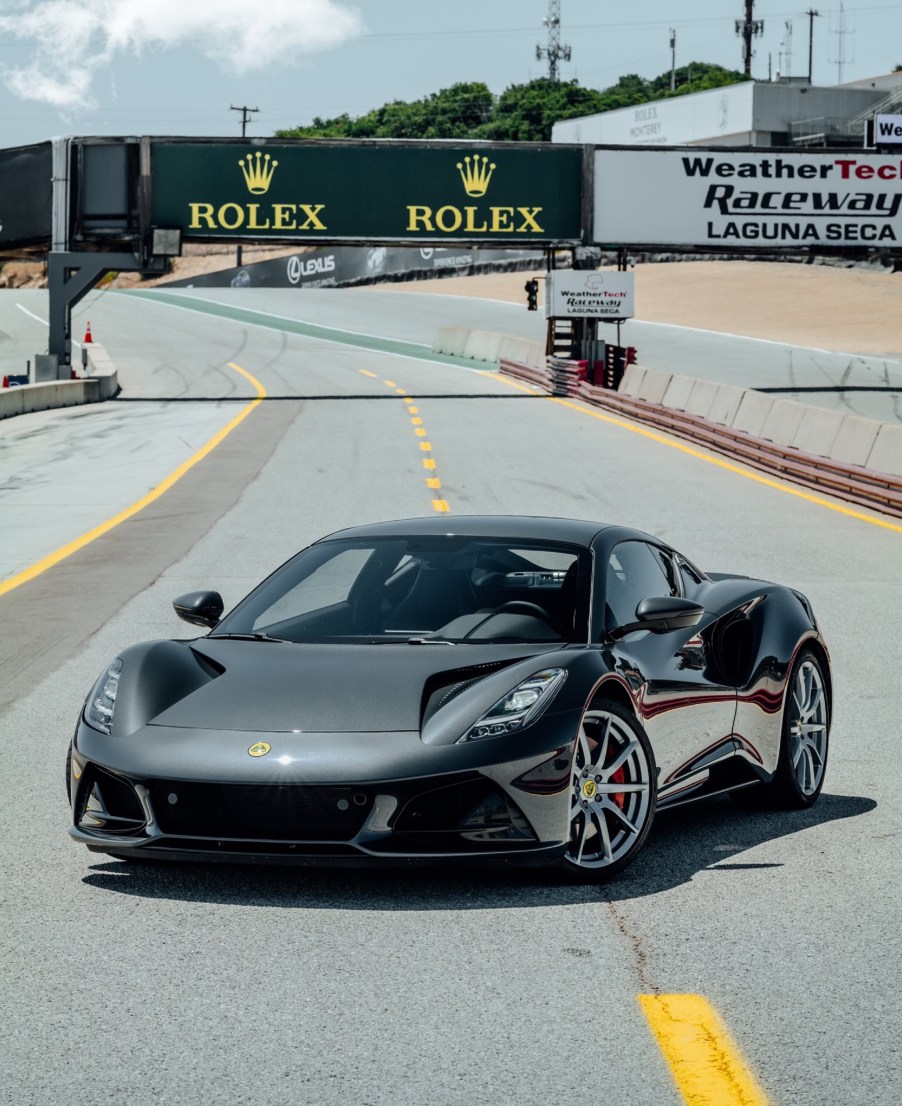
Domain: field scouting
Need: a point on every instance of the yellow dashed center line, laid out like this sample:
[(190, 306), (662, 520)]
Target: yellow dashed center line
[(364, 372), (439, 503), (703, 1058)]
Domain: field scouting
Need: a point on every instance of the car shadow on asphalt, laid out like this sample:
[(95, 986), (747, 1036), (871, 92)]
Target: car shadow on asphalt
[(708, 836)]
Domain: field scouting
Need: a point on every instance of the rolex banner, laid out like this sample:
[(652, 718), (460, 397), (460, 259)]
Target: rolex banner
[(26, 193), (368, 192)]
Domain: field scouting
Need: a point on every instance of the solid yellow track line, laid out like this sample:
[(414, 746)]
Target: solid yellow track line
[(104, 528), (702, 1056), (788, 489)]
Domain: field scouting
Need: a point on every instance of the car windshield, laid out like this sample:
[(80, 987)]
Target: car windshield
[(422, 591)]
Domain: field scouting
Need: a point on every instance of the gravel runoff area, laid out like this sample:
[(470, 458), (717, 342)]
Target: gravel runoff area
[(817, 306)]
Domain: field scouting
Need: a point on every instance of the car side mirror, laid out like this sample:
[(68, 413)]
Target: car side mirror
[(661, 613), (200, 608)]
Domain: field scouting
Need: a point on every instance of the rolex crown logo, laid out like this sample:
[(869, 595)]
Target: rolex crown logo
[(258, 172), (476, 176)]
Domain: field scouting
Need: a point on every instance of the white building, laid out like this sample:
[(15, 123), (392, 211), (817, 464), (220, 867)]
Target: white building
[(777, 113)]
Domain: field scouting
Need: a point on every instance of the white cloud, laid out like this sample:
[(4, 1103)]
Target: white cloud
[(72, 40)]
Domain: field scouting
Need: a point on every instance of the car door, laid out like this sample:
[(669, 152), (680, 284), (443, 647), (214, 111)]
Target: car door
[(687, 712)]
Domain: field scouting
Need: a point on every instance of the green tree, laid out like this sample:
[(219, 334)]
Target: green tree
[(522, 113)]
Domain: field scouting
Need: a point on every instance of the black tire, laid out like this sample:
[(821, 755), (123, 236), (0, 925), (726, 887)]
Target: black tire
[(69, 773), (609, 827), (801, 768)]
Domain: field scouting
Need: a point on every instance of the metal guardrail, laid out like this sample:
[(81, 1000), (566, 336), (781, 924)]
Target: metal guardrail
[(858, 485)]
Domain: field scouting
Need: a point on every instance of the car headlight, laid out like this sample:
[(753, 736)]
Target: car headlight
[(519, 707), (102, 700)]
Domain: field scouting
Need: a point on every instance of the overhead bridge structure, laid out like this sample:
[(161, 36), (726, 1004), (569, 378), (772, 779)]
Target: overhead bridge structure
[(100, 205)]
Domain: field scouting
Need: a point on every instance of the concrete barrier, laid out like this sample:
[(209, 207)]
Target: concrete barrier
[(752, 412), (102, 369), (451, 340), (678, 391), (483, 345), (29, 398), (701, 397), (654, 385), (726, 403), (855, 439), (522, 350), (817, 431), (12, 402), (783, 421), (886, 454), (631, 383)]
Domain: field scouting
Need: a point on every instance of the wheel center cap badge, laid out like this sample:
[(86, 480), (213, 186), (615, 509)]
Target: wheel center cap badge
[(589, 789), (259, 749)]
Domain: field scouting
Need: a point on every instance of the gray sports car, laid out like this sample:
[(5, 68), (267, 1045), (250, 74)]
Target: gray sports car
[(493, 688)]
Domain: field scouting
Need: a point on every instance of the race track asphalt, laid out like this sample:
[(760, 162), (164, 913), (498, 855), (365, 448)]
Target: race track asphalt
[(188, 984)]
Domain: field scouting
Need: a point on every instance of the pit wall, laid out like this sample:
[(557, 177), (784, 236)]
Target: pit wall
[(848, 439), (100, 383)]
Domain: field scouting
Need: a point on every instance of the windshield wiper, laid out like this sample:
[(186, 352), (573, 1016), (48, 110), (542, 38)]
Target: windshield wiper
[(246, 637)]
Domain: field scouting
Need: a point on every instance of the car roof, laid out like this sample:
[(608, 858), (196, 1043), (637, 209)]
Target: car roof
[(508, 527)]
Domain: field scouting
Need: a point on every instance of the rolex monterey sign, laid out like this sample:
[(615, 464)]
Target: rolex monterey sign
[(384, 192)]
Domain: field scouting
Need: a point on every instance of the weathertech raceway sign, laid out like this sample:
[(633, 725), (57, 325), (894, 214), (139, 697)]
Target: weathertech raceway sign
[(369, 192), (747, 199), (577, 294)]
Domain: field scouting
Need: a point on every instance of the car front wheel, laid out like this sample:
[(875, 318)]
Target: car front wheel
[(612, 794)]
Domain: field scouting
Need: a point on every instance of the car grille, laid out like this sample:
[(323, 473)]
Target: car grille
[(260, 811)]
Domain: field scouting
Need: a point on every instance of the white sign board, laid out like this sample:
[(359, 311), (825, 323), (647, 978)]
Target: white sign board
[(887, 130), (747, 200), (583, 294)]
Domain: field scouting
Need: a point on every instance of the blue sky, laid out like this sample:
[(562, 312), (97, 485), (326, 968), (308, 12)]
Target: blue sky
[(176, 66)]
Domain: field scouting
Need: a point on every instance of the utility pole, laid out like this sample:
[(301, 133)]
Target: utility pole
[(812, 15), (748, 29), (553, 51), (246, 114), (672, 59)]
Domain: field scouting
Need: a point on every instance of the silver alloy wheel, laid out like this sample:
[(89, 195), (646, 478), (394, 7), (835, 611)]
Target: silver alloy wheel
[(808, 727), (610, 793)]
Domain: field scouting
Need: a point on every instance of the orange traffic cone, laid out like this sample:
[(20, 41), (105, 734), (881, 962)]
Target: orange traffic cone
[(87, 337)]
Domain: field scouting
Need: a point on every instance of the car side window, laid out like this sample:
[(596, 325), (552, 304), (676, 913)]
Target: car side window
[(636, 571)]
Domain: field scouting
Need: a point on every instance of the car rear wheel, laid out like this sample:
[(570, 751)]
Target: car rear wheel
[(806, 734), (612, 794), (799, 777)]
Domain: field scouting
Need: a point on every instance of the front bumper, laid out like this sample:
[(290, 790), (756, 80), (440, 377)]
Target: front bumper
[(513, 811)]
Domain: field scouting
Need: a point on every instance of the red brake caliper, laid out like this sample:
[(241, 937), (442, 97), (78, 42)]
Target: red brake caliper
[(619, 776)]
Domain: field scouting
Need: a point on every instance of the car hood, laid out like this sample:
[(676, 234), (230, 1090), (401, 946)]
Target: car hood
[(284, 687)]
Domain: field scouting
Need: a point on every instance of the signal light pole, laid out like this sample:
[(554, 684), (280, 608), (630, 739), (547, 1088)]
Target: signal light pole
[(532, 294)]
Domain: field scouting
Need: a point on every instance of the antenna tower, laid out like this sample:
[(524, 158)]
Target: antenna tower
[(786, 68), (841, 31), (554, 52), (748, 29)]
